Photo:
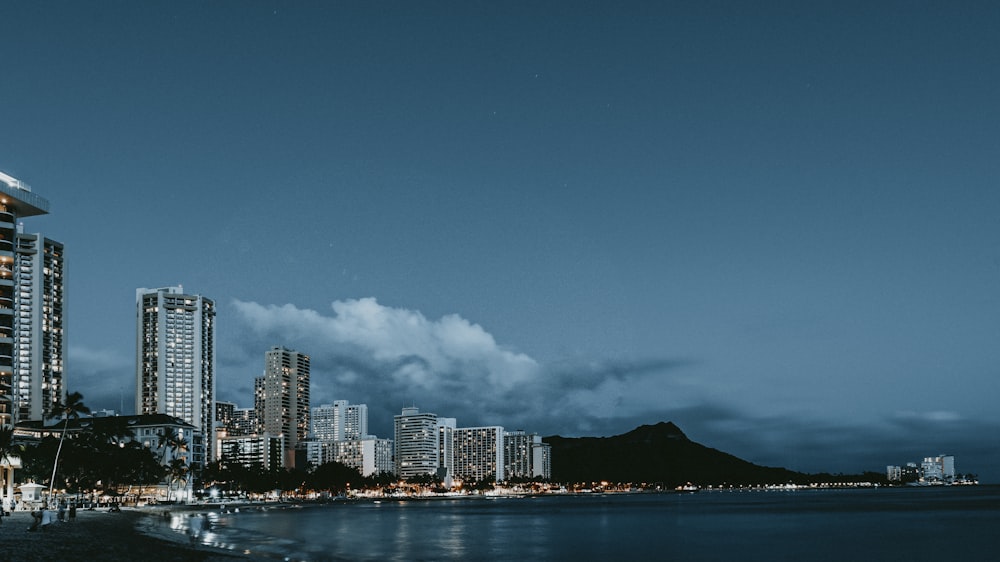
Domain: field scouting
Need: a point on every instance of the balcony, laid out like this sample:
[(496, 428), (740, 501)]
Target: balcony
[(6, 245), (6, 217)]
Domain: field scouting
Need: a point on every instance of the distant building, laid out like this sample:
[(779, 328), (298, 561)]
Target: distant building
[(517, 454), (446, 446), (253, 451), (479, 454), (244, 422), (286, 398), (175, 360), (939, 468), (369, 456), (415, 444), (541, 458), (339, 421), (893, 473)]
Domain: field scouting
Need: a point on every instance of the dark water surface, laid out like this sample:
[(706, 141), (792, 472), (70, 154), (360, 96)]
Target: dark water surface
[(946, 524)]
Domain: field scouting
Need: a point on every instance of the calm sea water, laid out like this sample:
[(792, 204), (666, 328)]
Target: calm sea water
[(960, 523)]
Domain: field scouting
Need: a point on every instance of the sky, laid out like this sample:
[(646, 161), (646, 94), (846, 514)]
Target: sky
[(775, 224)]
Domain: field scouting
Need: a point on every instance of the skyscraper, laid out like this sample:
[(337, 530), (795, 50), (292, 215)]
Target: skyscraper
[(286, 398), (175, 361), (31, 309), (415, 443)]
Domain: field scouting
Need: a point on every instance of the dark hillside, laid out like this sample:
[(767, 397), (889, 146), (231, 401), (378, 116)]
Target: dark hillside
[(655, 453)]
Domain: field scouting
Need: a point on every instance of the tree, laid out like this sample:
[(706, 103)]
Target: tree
[(177, 471), (7, 447), (73, 408)]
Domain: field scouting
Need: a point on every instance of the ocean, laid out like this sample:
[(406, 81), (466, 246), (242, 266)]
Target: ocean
[(912, 524)]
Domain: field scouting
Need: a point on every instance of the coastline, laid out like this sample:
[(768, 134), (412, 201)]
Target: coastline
[(97, 535)]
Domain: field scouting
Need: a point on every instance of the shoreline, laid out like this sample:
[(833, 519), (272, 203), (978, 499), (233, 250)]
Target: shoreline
[(98, 535)]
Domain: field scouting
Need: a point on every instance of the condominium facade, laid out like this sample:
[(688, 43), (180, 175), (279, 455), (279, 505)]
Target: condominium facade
[(175, 360), (286, 398), (479, 454), (541, 458), (32, 301), (339, 421), (369, 455), (517, 454), (415, 443), (253, 451), (38, 367)]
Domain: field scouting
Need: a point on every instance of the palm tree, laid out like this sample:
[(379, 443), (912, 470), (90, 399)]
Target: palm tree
[(73, 407), (177, 471)]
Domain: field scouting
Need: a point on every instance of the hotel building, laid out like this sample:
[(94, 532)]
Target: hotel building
[(286, 398), (479, 454), (175, 361), (415, 448), (31, 309)]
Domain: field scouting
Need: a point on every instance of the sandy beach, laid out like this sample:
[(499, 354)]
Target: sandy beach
[(94, 535)]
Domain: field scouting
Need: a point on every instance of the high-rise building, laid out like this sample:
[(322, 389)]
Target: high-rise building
[(415, 444), (38, 366), (286, 398), (541, 458), (339, 421), (175, 361), (369, 455), (31, 309), (517, 454), (446, 445), (479, 454)]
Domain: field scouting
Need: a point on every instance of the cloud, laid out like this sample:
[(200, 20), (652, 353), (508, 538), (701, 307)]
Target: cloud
[(105, 376), (393, 357)]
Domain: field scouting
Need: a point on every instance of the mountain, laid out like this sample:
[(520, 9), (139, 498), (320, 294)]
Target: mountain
[(652, 454)]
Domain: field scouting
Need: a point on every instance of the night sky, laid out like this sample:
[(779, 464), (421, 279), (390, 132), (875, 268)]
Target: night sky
[(776, 225)]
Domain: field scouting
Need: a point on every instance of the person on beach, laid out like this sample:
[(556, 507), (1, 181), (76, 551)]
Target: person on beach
[(72, 512), (62, 510)]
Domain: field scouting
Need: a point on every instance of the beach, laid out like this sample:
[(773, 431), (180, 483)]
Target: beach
[(94, 535)]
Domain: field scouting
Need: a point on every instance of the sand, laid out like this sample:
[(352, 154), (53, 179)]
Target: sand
[(95, 536)]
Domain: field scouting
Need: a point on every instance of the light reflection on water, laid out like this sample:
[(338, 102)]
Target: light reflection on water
[(824, 525)]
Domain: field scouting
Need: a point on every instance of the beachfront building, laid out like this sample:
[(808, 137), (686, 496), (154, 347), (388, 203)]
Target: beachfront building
[(167, 436), (415, 448), (175, 361), (938, 469), (263, 450), (369, 456), (517, 454), (446, 447), (286, 398), (541, 458), (479, 454), (32, 302), (339, 421)]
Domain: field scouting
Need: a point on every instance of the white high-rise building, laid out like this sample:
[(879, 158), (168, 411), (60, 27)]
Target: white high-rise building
[(32, 348), (541, 458), (446, 445), (415, 443), (286, 398), (339, 421), (175, 361)]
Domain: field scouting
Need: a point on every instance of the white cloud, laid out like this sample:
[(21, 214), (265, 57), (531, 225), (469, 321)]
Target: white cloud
[(393, 357)]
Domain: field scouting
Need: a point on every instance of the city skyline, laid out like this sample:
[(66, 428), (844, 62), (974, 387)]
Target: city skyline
[(772, 225)]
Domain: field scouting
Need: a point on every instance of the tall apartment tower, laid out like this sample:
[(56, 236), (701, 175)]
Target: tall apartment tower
[(286, 398), (415, 445), (175, 361), (479, 454), (31, 309)]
